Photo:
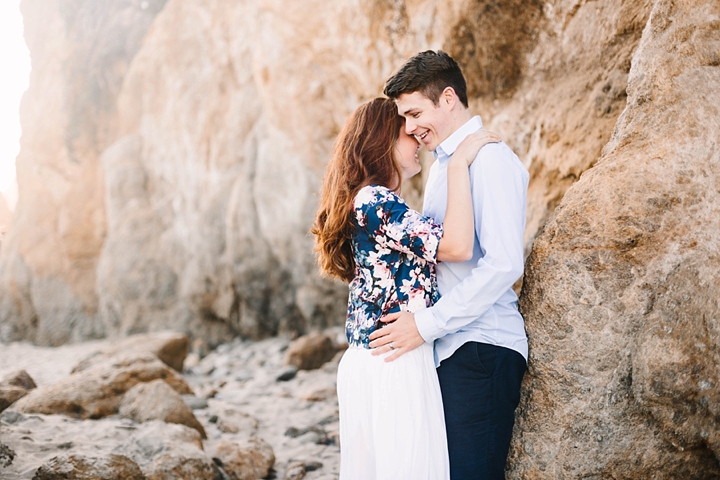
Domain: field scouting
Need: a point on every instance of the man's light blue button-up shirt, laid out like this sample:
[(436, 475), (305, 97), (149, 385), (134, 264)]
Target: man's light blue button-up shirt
[(477, 300)]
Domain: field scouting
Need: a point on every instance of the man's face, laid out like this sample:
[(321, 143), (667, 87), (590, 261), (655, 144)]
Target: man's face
[(429, 123)]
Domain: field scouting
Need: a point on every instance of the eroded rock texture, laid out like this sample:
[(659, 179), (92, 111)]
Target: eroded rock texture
[(80, 52), (620, 293), (170, 170), (191, 158)]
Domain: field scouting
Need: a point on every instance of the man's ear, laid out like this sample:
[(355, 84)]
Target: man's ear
[(449, 97)]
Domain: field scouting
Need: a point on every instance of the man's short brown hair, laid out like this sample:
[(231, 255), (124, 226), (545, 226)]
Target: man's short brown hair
[(429, 73)]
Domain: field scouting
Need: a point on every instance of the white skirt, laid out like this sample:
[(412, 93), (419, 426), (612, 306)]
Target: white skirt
[(391, 418)]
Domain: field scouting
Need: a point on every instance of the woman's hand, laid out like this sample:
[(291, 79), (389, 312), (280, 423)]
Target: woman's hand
[(471, 145)]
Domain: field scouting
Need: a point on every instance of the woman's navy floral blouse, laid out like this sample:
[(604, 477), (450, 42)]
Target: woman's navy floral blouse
[(395, 252)]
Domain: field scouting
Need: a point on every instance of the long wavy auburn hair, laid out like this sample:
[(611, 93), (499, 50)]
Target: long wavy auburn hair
[(364, 155)]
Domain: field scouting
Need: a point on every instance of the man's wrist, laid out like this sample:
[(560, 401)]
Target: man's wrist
[(425, 323)]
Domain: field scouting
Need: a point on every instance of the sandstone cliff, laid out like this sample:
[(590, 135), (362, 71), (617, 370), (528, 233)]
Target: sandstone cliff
[(178, 177), (173, 150)]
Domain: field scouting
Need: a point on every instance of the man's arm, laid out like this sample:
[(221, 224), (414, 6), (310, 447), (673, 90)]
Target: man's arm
[(499, 198), (499, 195)]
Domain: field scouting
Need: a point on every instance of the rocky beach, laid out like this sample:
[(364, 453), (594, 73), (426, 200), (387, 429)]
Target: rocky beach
[(262, 416), (170, 161)]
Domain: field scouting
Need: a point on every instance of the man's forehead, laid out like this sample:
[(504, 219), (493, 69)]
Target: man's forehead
[(408, 102)]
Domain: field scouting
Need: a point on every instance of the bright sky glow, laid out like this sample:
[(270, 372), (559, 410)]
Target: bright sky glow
[(15, 61)]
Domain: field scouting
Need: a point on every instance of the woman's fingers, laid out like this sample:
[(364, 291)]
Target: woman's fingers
[(387, 346), (471, 145)]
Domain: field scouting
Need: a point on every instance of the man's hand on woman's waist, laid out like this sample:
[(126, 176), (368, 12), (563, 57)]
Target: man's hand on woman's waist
[(400, 335)]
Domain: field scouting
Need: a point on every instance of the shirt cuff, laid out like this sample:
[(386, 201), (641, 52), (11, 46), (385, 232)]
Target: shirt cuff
[(425, 323)]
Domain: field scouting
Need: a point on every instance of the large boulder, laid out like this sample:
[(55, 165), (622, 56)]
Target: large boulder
[(156, 400), (168, 450), (97, 391), (81, 467), (170, 347), (621, 288)]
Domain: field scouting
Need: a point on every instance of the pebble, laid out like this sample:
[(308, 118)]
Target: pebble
[(287, 373)]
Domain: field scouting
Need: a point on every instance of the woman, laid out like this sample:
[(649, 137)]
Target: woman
[(391, 418)]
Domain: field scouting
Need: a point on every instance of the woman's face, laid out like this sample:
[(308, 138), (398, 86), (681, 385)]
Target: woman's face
[(406, 152)]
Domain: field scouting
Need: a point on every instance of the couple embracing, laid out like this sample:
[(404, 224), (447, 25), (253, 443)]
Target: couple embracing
[(437, 348)]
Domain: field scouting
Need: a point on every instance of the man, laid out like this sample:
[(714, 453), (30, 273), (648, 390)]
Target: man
[(479, 335)]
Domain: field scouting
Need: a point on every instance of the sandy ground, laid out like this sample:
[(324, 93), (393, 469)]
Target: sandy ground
[(45, 364)]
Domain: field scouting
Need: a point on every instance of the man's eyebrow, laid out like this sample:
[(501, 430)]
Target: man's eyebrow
[(408, 110)]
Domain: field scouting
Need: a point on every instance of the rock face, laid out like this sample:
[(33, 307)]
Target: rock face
[(80, 54), (620, 292), (168, 177), (185, 195)]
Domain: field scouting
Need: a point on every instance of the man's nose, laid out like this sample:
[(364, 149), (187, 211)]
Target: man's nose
[(410, 127)]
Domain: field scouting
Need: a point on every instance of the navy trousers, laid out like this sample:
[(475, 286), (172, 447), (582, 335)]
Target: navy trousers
[(480, 386)]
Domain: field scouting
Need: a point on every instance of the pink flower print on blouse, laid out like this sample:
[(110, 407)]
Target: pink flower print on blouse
[(395, 252)]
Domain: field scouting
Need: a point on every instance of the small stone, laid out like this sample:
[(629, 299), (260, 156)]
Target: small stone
[(312, 466), (243, 376), (12, 417), (295, 471), (191, 361), (233, 421), (195, 403), (309, 437), (333, 438), (10, 394), (20, 379), (287, 373), (319, 394), (249, 459), (7, 455), (310, 351)]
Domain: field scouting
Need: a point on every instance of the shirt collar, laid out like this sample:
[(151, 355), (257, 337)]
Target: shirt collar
[(450, 144)]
